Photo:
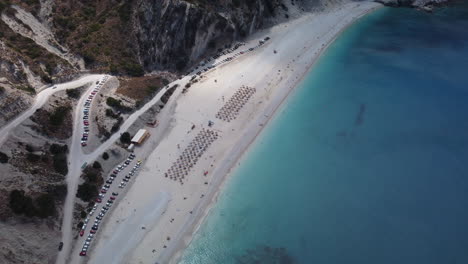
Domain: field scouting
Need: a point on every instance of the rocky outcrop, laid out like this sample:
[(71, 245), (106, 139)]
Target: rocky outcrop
[(426, 5), (174, 34)]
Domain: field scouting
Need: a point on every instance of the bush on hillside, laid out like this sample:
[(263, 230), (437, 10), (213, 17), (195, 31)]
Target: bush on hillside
[(58, 116), (45, 205), (125, 138), (73, 93), (3, 157), (32, 157), (60, 163), (58, 149), (21, 204)]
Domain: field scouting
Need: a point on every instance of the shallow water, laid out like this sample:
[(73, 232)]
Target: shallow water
[(367, 162)]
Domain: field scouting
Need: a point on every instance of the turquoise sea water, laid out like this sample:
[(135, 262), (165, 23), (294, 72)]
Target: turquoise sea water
[(367, 162)]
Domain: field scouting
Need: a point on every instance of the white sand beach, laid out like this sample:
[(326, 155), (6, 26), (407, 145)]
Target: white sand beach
[(142, 234)]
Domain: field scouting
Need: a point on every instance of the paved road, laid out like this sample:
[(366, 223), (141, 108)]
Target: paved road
[(134, 167), (75, 159), (40, 99)]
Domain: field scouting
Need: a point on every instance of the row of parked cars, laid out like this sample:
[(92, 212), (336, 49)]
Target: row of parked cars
[(102, 197), (86, 109), (227, 51)]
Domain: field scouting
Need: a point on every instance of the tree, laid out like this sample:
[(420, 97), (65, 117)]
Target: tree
[(46, 205), (57, 149), (91, 176), (125, 138), (105, 156), (97, 165)]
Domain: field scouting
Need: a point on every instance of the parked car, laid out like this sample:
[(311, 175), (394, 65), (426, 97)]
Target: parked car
[(83, 253), (115, 194), (81, 232)]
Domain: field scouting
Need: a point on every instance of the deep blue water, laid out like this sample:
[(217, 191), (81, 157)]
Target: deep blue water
[(367, 162)]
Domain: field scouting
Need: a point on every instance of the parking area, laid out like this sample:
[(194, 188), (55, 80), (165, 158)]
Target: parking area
[(109, 195), (86, 110), (226, 52)]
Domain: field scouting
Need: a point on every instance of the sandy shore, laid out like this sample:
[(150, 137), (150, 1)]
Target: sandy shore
[(274, 70)]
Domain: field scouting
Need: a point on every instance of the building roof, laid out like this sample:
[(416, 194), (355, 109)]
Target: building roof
[(139, 135)]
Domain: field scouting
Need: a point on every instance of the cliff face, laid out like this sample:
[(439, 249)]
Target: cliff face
[(133, 36), (423, 4), (175, 34)]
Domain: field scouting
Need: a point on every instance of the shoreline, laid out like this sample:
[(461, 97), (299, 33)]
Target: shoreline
[(275, 71), (175, 255)]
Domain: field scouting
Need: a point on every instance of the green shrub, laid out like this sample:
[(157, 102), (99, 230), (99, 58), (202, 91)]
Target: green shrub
[(97, 165), (112, 102), (133, 69), (152, 88)]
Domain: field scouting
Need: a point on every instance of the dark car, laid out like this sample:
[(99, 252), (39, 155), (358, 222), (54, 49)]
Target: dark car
[(115, 194), (60, 246), (109, 181)]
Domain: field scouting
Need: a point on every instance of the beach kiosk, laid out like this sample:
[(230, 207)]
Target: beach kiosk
[(140, 137)]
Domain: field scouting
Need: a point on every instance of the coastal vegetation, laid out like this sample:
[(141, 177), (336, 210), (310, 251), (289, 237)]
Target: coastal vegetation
[(89, 189), (42, 206)]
